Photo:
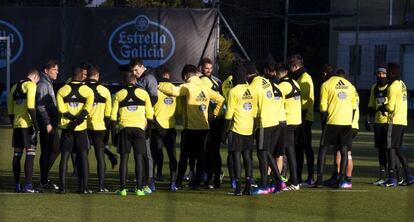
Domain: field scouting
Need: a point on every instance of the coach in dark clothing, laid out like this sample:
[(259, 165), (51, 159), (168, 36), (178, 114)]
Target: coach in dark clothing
[(47, 120)]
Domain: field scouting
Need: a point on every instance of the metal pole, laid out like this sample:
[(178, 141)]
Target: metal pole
[(391, 10), (234, 36), (285, 37), (8, 64)]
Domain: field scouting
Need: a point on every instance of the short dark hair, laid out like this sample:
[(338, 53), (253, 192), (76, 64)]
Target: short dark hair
[(93, 70), (76, 71), (136, 61), (161, 70), (340, 72), (296, 59), (251, 68), (85, 65), (393, 70), (281, 67), (50, 64), (328, 69), (188, 69), (129, 77), (32, 71), (206, 60)]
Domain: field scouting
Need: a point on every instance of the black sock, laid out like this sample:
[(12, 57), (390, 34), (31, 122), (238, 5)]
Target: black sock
[(16, 166), (28, 166), (123, 169)]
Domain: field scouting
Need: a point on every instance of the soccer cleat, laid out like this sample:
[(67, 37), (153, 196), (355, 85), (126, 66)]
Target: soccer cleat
[(140, 192), (189, 176), (28, 188), (253, 183), (271, 189), (103, 190), (18, 188), (402, 182), (173, 187), (346, 185), (233, 184), (122, 192), (114, 161), (410, 180), (260, 191), (236, 193), (282, 185), (86, 191), (221, 177), (159, 177), (284, 179), (309, 182), (391, 182), (147, 190), (61, 191), (331, 182), (152, 185), (49, 185), (292, 188), (379, 182)]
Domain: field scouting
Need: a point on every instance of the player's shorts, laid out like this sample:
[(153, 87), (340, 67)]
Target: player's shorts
[(279, 149), (73, 141), (266, 138), (380, 135), (240, 142), (338, 136), (97, 138), (132, 137), (395, 136), (24, 138)]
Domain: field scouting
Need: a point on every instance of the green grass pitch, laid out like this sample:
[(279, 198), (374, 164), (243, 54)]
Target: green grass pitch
[(364, 202)]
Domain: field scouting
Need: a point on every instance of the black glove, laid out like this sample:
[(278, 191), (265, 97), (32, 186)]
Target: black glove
[(71, 125), (159, 129), (150, 126), (304, 111), (107, 121), (114, 135), (225, 131), (81, 116), (382, 109), (69, 116), (11, 119), (32, 114), (324, 119), (368, 125)]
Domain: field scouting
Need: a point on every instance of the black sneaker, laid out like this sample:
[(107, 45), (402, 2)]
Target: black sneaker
[(29, 189), (235, 193), (86, 191), (49, 185), (61, 191)]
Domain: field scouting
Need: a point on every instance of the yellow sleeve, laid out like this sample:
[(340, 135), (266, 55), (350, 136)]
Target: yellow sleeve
[(89, 99), (305, 89), (115, 106), (170, 89), (230, 106), (371, 102), (149, 111), (31, 95), (255, 89), (218, 99), (10, 102), (207, 81), (59, 100), (254, 94), (324, 98), (391, 97), (354, 99), (108, 103)]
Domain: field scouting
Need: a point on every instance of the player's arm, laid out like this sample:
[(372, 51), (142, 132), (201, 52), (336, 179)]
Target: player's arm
[(31, 98), (10, 105), (114, 117), (86, 92), (354, 103), (324, 105), (152, 87), (171, 90), (108, 107), (228, 118), (391, 98), (218, 99), (42, 100), (207, 82), (371, 106), (306, 97), (62, 108)]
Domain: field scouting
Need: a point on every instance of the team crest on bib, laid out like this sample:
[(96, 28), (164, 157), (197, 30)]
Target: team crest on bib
[(342, 95), (247, 106), (202, 107), (168, 100), (132, 108), (269, 94)]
